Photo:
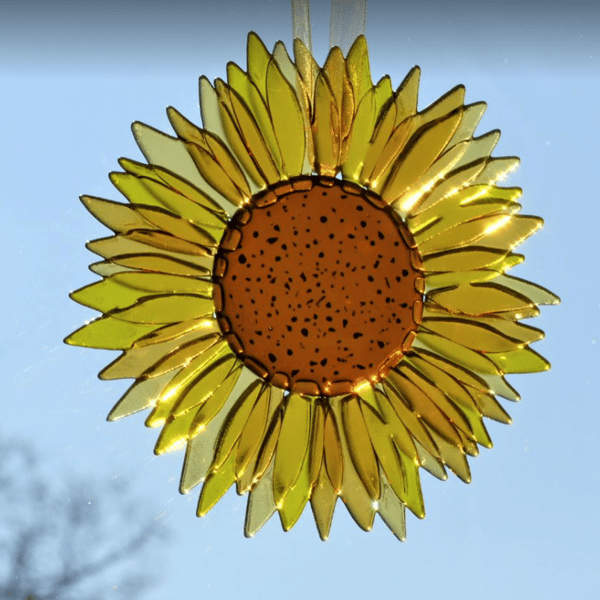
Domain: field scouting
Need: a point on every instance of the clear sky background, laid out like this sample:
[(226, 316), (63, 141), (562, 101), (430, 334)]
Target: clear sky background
[(72, 79)]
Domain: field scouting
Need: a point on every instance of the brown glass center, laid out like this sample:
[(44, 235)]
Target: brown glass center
[(316, 287)]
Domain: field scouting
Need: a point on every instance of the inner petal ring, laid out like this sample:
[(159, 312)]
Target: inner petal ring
[(318, 287)]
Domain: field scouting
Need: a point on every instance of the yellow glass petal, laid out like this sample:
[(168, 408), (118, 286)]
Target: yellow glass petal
[(444, 403), (458, 353), (138, 169), (522, 360), (215, 486), (497, 169), (124, 289), (358, 69), (392, 511), (258, 62), (480, 299), (235, 422), (208, 391), (140, 360), (383, 94), (409, 419), (396, 429), (287, 120), (475, 335), (170, 153), (185, 379), (387, 455), (200, 449), (218, 176), (322, 502), (422, 404), (154, 263), (256, 131), (293, 445), (359, 138), (356, 498), (490, 407), (166, 309), (443, 106), (470, 259), (522, 334), (479, 147), (407, 95), (326, 129), (453, 457), (446, 280), (109, 334), (471, 117), (307, 67), (118, 217), (176, 226), (267, 450), (380, 149), (261, 504), (202, 325), (166, 241), (316, 443), (332, 451), (293, 504), (429, 462), (184, 353), (534, 292), (417, 201), (253, 430), (414, 494), (360, 447), (191, 193), (419, 155), (174, 434), (141, 395)]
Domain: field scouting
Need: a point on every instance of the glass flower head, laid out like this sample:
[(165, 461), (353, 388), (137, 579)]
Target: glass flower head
[(310, 291)]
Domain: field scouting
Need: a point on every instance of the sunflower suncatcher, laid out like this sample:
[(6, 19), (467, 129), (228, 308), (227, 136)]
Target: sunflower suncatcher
[(311, 291)]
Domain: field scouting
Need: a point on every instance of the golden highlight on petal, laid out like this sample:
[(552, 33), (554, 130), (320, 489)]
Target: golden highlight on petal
[(310, 289)]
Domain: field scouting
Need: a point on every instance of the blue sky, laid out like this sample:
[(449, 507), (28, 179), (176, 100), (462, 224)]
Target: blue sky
[(73, 78)]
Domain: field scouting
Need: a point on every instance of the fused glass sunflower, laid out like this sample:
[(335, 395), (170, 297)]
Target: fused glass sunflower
[(310, 291)]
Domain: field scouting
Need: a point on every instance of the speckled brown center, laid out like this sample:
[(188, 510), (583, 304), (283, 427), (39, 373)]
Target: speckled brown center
[(317, 287)]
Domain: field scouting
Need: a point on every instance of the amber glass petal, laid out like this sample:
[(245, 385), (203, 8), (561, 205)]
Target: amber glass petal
[(490, 407), (396, 429), (453, 457), (380, 141)]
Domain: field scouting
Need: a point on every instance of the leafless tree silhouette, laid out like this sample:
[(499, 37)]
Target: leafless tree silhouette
[(59, 541)]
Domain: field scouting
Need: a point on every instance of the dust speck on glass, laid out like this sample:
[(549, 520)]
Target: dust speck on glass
[(310, 291)]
